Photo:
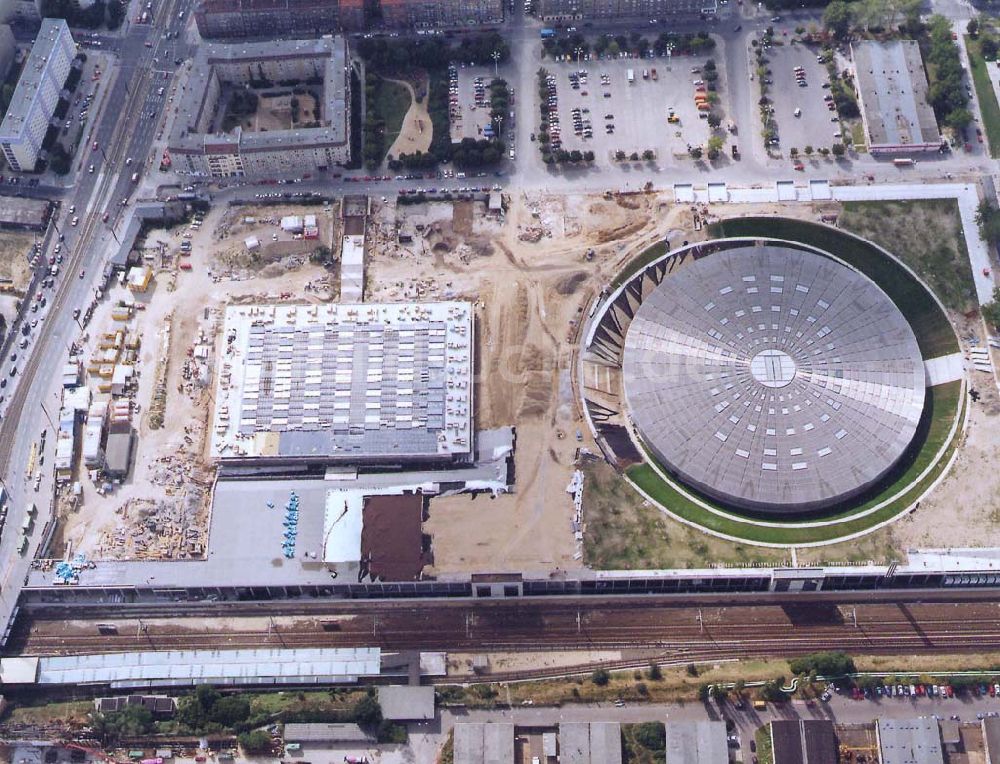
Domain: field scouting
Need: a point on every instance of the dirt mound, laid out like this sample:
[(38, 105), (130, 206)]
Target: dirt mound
[(621, 232), (569, 283)]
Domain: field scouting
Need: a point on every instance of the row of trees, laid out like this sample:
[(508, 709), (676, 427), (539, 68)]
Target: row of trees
[(111, 13), (841, 17), (635, 44), (385, 55), (946, 94), (207, 711), (499, 105)]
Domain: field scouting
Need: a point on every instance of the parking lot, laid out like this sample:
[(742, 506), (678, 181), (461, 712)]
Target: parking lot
[(816, 124), (632, 117), (470, 113)]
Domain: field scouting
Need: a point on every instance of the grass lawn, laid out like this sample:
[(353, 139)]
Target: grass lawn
[(390, 102), (70, 714), (987, 98), (643, 259), (930, 325), (644, 743), (763, 739), (624, 532), (939, 414), (925, 234)]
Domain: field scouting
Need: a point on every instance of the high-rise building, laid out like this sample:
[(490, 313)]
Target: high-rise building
[(571, 10), (37, 95)]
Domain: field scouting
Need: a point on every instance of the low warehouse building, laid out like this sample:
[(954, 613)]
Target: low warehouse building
[(909, 741), (697, 743), (23, 214), (484, 743), (892, 89)]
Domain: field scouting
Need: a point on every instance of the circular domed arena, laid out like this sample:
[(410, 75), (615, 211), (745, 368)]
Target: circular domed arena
[(771, 378)]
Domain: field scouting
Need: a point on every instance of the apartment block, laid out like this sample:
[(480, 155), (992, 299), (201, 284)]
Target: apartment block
[(37, 95)]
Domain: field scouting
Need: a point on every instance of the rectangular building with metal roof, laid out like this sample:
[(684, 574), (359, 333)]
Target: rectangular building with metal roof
[(484, 743), (184, 668), (590, 743), (365, 384), (909, 741), (892, 90), (702, 742)]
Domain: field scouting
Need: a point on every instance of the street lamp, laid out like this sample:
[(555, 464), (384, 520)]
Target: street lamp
[(578, 51), (496, 63)]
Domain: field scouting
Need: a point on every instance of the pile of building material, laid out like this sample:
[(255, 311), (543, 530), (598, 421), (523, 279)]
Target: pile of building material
[(575, 488)]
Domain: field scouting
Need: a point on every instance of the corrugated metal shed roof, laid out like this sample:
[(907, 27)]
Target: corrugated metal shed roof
[(222, 666), (483, 743), (909, 741), (325, 733), (590, 743), (701, 742)]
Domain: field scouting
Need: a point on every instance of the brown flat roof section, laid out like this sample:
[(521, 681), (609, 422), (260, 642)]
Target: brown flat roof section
[(391, 538), (810, 741)]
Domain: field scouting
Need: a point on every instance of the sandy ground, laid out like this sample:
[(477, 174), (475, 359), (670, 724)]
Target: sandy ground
[(170, 460), (532, 276), (415, 133), (460, 664), (15, 250), (531, 283)]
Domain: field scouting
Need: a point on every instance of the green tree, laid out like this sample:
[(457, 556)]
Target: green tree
[(691, 669), (830, 664), (714, 120), (958, 119), (704, 692), (60, 161), (650, 735), (230, 710), (367, 712), (256, 741), (648, 155), (695, 152), (973, 28), (808, 150), (654, 672), (988, 220), (793, 151), (991, 310), (838, 149), (600, 677)]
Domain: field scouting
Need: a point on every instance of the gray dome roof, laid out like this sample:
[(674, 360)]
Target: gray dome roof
[(773, 379)]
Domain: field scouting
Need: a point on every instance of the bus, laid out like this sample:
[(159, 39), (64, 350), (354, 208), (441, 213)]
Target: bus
[(547, 34), (903, 162), (759, 705)]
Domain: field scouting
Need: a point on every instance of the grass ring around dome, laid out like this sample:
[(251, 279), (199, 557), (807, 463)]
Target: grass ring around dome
[(925, 463)]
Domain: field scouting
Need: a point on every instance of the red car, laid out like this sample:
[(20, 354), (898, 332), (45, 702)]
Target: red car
[(94, 147), (104, 217)]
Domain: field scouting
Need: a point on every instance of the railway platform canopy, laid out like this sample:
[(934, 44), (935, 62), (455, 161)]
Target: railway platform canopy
[(183, 668)]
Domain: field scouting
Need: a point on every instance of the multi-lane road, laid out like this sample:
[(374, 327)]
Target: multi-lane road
[(126, 129)]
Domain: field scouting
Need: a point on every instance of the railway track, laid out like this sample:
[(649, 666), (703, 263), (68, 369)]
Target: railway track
[(712, 632)]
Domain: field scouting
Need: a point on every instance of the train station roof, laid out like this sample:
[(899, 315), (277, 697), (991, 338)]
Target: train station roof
[(226, 667)]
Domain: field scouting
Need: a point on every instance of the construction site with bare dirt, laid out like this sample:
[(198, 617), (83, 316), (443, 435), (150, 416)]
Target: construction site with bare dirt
[(148, 485)]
